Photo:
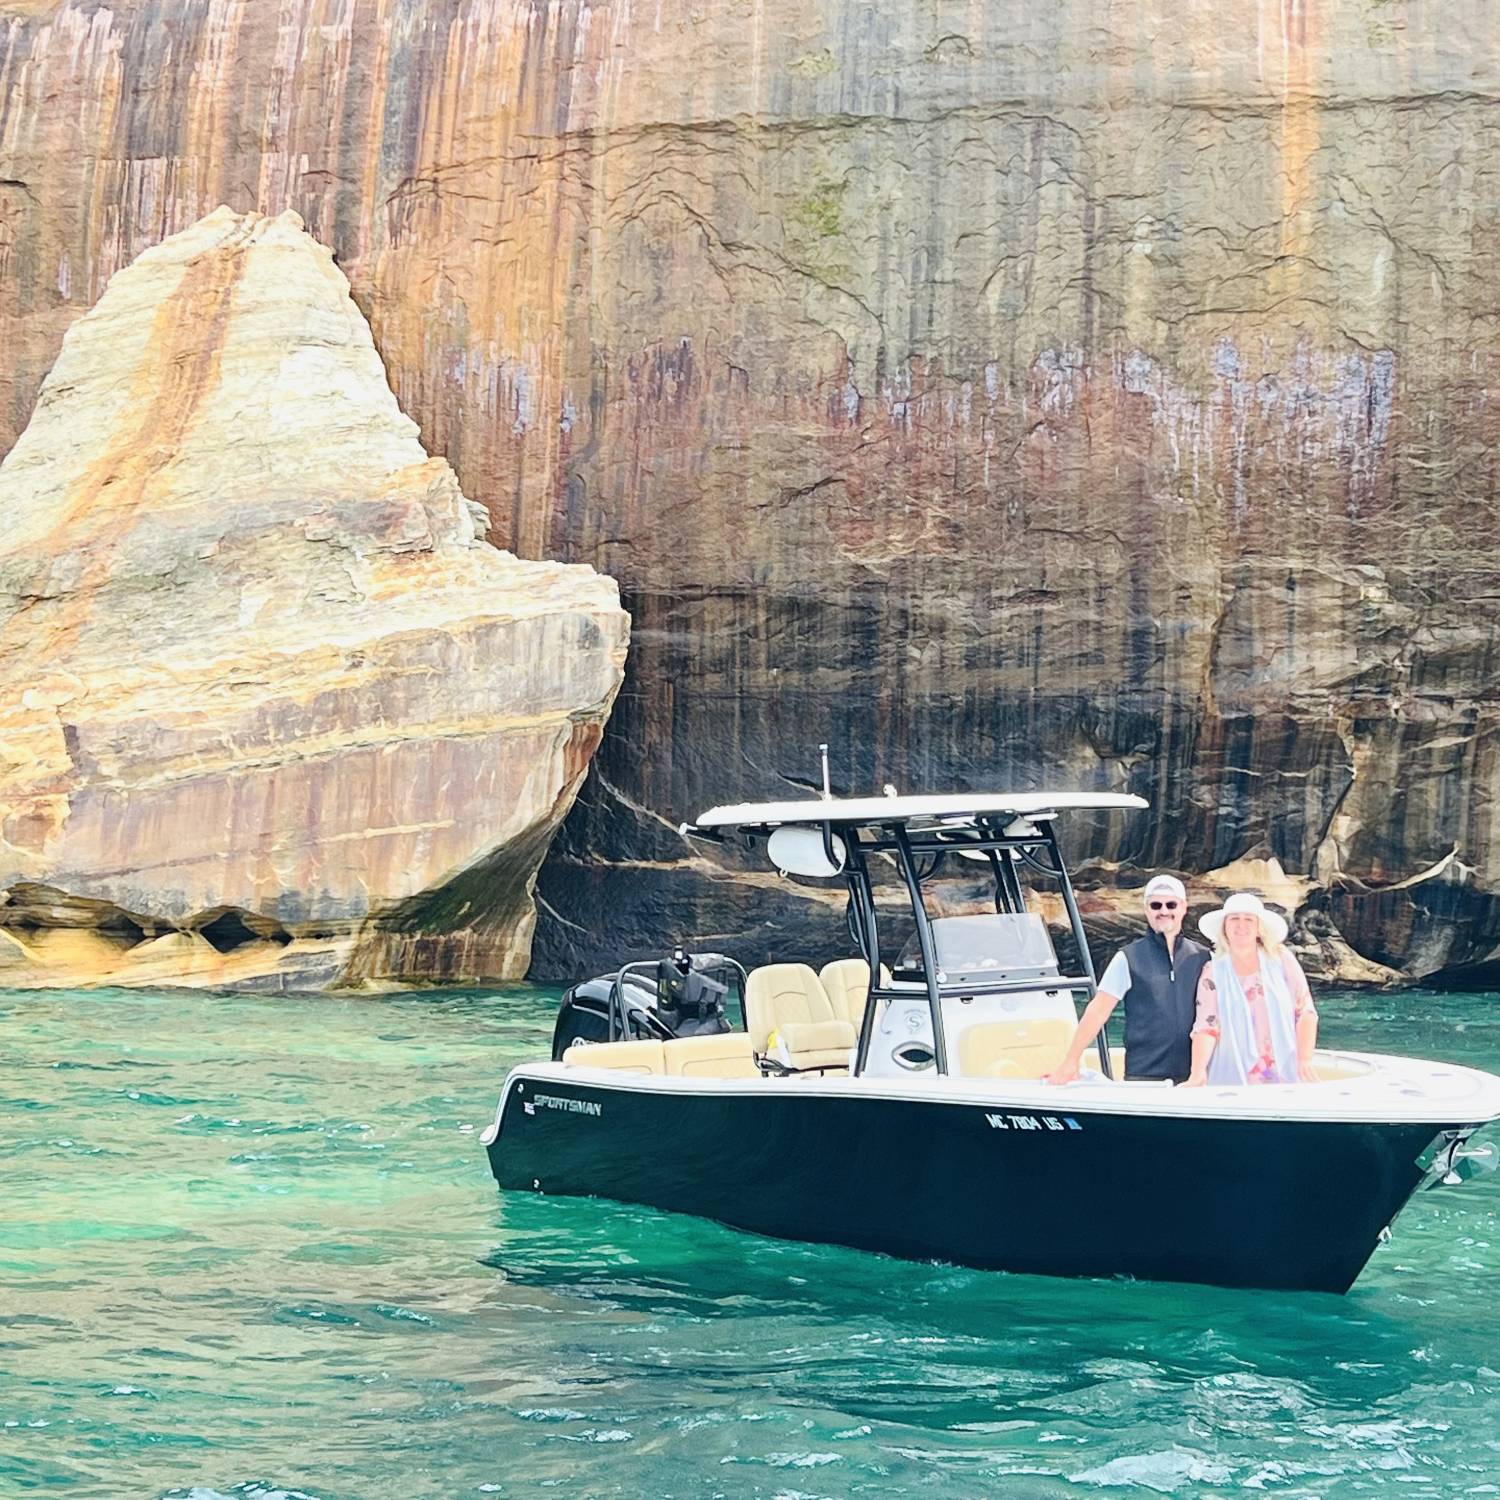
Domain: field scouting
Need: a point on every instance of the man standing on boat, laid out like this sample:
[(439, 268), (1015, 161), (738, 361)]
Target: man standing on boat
[(1157, 977)]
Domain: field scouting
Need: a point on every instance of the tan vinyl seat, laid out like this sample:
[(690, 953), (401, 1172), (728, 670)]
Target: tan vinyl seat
[(847, 983), (790, 1001), (726, 1054), (623, 1057), (1013, 1049), (817, 1046)]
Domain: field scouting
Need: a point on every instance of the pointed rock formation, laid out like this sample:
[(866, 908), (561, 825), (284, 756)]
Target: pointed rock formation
[(271, 709)]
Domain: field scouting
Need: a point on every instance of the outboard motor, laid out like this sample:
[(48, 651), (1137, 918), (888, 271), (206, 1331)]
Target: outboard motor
[(684, 996), (584, 1016)]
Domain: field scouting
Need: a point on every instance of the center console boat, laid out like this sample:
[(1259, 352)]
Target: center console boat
[(910, 1114)]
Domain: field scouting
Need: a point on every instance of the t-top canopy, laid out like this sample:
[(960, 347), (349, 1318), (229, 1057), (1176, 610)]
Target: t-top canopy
[(958, 808)]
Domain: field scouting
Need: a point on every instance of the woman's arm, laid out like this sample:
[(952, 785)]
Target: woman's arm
[(1205, 1028), (1307, 1044), (1305, 1013), (1296, 982), (1204, 1043)]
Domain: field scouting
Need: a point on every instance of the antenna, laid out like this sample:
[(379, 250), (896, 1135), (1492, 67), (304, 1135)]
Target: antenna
[(827, 789)]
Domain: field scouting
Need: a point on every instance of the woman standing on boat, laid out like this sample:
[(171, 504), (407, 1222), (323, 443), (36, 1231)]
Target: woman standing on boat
[(1256, 1021)]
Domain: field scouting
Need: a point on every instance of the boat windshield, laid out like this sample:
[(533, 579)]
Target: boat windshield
[(988, 945)]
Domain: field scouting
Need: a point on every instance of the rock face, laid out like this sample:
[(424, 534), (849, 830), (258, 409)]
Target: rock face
[(271, 710), (1010, 395)]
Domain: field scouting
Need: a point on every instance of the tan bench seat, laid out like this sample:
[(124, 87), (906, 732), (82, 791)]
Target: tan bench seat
[(723, 1055), (726, 1054), (624, 1057)]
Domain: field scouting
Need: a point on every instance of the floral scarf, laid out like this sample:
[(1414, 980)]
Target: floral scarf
[(1238, 1051)]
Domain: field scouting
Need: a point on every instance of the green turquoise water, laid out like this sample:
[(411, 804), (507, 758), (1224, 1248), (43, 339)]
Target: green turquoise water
[(251, 1248)]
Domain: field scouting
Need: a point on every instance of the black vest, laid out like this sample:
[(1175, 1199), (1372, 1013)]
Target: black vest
[(1161, 1006)]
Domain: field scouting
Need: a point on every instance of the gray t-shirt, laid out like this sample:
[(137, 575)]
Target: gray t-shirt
[(1116, 979)]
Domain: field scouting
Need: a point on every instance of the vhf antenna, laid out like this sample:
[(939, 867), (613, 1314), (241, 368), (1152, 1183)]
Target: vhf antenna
[(827, 789)]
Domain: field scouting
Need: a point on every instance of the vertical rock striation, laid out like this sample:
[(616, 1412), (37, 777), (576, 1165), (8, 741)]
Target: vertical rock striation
[(271, 709), (1007, 394)]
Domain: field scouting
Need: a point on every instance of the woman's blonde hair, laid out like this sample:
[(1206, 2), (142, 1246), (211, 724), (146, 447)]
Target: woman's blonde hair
[(1272, 947)]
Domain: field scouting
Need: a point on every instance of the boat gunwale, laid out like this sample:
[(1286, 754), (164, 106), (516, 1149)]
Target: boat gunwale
[(1372, 1103)]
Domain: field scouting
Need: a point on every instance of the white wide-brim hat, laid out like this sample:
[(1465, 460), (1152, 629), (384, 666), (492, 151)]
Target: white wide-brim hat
[(1273, 929)]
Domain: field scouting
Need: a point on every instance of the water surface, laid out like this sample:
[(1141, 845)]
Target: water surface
[(250, 1247)]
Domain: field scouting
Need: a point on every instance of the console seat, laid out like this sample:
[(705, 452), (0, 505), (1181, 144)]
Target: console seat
[(846, 981)]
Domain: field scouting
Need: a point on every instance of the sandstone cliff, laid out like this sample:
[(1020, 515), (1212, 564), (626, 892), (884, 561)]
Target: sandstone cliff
[(1009, 394), (271, 709)]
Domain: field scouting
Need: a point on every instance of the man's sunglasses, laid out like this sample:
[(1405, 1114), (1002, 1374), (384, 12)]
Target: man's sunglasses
[(1165, 905)]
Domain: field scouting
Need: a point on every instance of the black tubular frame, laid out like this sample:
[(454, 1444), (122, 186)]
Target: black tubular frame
[(902, 839), (862, 907), (909, 848), (618, 1019)]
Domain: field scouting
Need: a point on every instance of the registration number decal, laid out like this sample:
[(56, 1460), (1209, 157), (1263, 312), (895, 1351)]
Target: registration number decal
[(1032, 1122)]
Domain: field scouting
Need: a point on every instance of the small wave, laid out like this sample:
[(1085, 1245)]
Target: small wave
[(1163, 1472), (251, 1489)]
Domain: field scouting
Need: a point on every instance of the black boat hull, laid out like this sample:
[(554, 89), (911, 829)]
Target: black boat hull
[(1294, 1205)]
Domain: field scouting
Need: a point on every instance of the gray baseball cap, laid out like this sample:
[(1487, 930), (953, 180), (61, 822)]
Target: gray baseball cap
[(1165, 885)]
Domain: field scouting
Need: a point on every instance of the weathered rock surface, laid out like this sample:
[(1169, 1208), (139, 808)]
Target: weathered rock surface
[(1007, 394), (271, 709)]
